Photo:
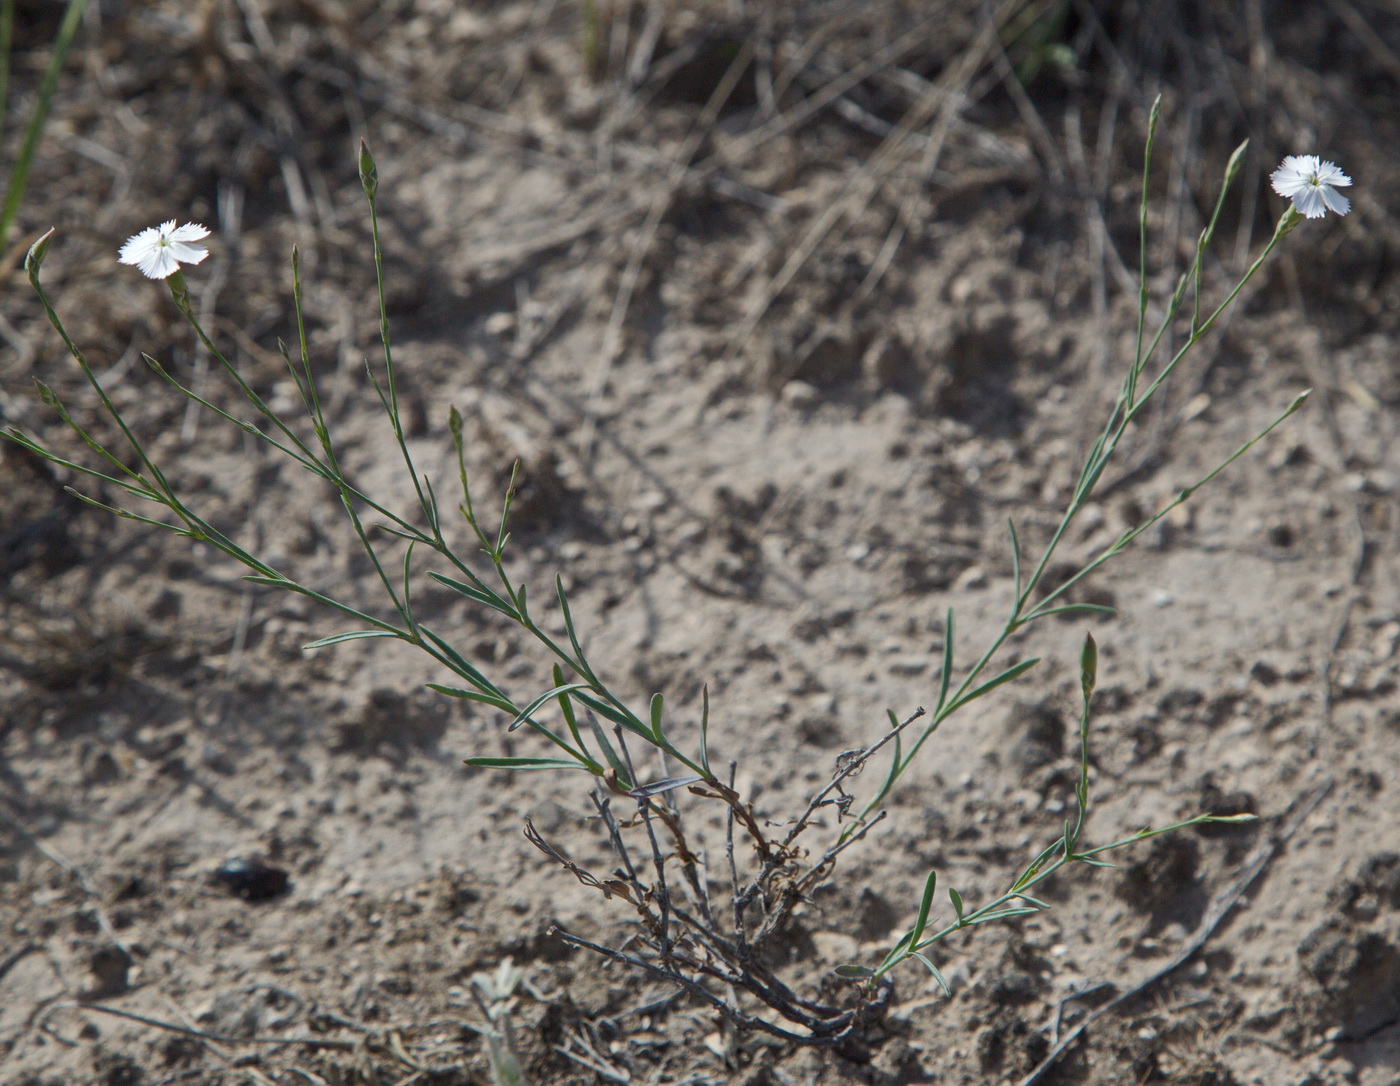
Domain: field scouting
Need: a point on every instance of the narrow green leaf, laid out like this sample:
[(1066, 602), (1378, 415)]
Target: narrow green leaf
[(524, 763), (617, 716), (1013, 672), (127, 514), (947, 674), (925, 904), (1015, 561), (956, 899), (502, 535), (896, 762), (353, 635), (430, 507), (1004, 914), (408, 584), (619, 769), (937, 974), (459, 663), (1076, 609), (897, 954), (503, 704), (548, 696), (566, 706), (568, 619), (705, 731), (490, 599), (270, 582), (854, 972), (1040, 861), (670, 784), (657, 701), (413, 535)]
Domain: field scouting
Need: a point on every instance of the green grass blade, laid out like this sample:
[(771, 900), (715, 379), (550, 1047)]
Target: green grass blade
[(29, 146)]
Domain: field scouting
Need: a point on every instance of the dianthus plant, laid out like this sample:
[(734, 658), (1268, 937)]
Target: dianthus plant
[(706, 912)]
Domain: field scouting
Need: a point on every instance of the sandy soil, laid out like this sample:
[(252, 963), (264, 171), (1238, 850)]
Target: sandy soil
[(777, 375)]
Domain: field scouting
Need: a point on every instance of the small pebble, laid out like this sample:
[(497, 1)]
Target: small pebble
[(800, 395), (500, 324), (971, 577), (251, 879)]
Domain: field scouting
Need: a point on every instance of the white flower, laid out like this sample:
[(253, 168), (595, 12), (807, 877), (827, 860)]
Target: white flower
[(1312, 185), (160, 250)]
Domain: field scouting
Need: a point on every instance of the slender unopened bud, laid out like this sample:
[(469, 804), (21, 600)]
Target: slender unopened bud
[(1288, 222), (1088, 666), (1154, 117), (369, 174), (35, 257), (180, 292), (45, 392), (1232, 168)]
